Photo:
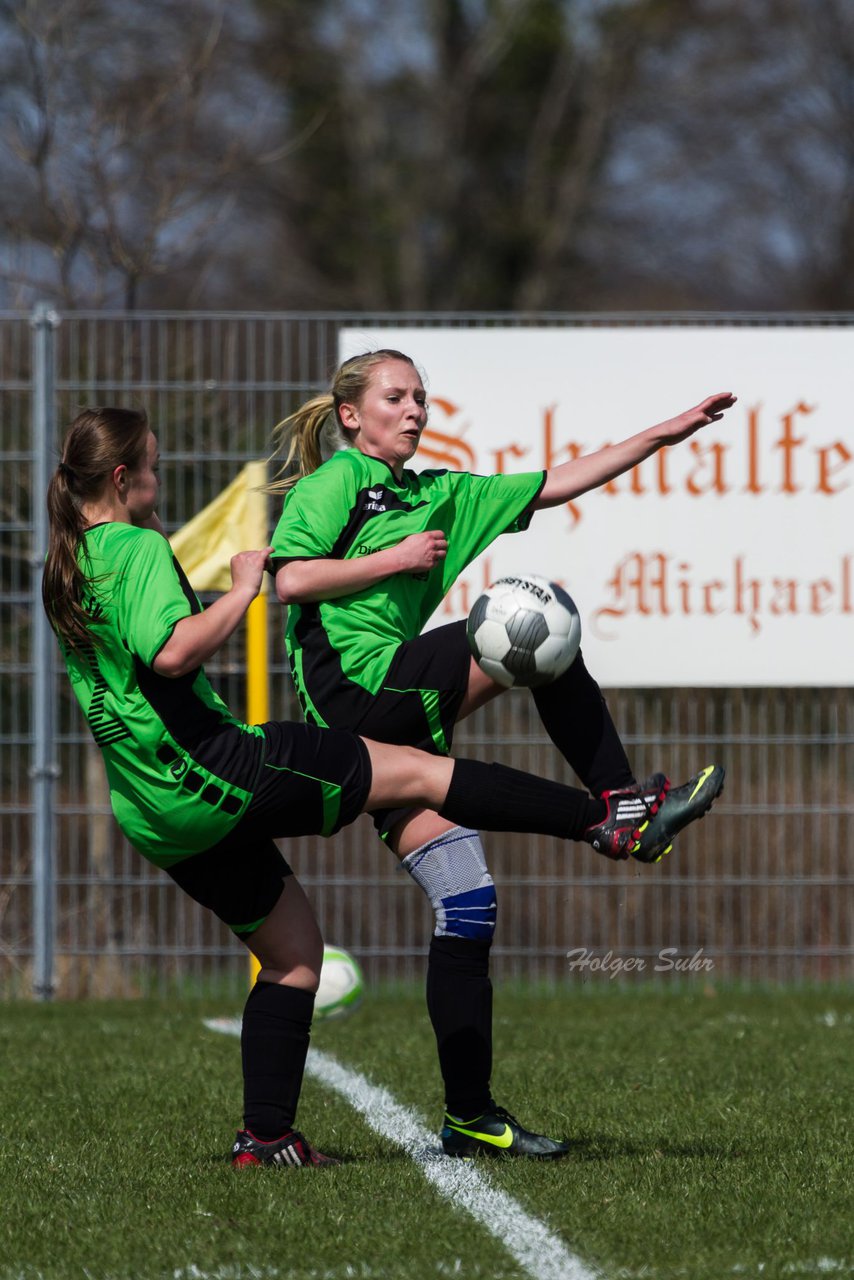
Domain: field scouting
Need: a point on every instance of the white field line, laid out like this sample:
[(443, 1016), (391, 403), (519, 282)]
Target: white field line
[(543, 1255)]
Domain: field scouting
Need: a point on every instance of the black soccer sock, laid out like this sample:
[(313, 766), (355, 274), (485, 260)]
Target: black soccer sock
[(274, 1044), (576, 717), (491, 797), (459, 1001)]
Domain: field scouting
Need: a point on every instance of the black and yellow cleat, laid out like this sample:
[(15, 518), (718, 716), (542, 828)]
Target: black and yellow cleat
[(497, 1133), (681, 805)]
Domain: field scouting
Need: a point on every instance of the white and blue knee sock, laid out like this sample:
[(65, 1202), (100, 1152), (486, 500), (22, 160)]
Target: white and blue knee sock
[(453, 873)]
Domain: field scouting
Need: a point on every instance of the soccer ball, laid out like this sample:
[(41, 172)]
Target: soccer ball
[(524, 631), (341, 984)]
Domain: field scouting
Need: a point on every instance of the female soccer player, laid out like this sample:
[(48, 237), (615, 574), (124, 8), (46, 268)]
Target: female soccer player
[(364, 552), (203, 795)]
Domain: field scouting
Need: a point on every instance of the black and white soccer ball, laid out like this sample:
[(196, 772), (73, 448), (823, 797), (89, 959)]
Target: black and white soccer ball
[(524, 631)]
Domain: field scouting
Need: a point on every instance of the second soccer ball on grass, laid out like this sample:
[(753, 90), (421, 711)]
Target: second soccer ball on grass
[(341, 984), (524, 631)]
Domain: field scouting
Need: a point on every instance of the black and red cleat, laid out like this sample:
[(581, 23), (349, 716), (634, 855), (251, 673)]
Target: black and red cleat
[(629, 811), (289, 1151)]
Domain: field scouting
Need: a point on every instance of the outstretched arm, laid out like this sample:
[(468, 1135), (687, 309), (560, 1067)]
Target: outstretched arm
[(197, 638), (571, 479)]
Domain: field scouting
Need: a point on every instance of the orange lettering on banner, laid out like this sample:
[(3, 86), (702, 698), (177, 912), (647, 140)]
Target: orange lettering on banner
[(743, 590), (832, 458), (684, 589), (711, 462), (447, 449), (709, 607), (653, 584), (753, 485), (642, 579), (826, 470), (788, 443), (785, 597), (706, 453)]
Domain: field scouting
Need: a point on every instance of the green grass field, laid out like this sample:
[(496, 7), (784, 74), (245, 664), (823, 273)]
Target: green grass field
[(712, 1139)]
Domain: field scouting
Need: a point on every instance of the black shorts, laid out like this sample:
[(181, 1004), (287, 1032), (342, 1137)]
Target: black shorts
[(312, 782), (418, 704), (238, 881), (420, 697)]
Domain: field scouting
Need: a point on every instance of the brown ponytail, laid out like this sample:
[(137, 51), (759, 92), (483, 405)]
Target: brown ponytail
[(98, 441), (298, 441)]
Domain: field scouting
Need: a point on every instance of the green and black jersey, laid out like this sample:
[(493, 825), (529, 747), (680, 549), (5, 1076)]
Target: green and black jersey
[(181, 769), (354, 505)]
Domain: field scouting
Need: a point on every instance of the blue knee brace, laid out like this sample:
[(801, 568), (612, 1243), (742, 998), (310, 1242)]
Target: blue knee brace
[(453, 873)]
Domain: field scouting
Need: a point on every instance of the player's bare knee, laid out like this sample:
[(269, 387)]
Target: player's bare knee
[(305, 978)]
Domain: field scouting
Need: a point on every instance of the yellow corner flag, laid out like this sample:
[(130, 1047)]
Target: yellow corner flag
[(235, 521)]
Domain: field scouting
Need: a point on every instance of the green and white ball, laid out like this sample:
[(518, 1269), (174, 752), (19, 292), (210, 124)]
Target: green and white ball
[(342, 984)]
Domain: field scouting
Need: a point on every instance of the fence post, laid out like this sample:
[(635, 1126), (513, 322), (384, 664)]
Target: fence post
[(44, 768)]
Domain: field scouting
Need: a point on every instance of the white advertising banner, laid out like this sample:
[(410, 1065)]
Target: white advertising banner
[(727, 559)]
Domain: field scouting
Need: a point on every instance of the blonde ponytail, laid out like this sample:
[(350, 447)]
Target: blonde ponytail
[(298, 441)]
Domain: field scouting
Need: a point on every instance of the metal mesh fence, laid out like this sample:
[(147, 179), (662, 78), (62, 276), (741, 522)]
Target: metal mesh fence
[(765, 895)]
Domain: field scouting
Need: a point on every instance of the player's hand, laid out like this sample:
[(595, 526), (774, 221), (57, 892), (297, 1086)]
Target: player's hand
[(248, 569), (421, 552), (709, 410)]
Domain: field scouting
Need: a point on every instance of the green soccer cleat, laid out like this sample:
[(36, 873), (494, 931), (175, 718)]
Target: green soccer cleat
[(497, 1133), (681, 805)]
